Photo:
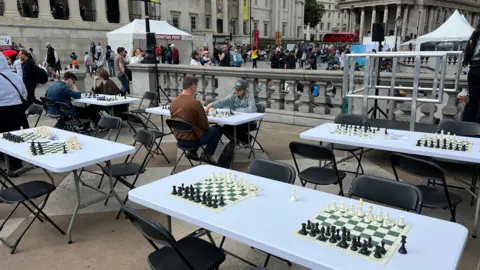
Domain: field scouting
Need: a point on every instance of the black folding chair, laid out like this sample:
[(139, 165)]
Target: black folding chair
[(134, 120), (152, 98), (272, 170), (24, 194), (120, 171), (186, 253), (317, 175), (105, 128), (356, 120), (35, 109), (260, 109), (49, 103), (433, 196), (184, 127), (72, 125), (466, 129), (398, 194)]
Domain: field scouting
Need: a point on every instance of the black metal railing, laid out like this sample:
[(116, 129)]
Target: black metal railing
[(88, 15), (134, 16)]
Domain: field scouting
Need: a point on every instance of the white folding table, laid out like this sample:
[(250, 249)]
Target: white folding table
[(401, 141), (94, 150), (267, 222), (104, 103), (237, 119)]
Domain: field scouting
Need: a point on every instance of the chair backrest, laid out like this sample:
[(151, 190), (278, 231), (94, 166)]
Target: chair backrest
[(48, 101), (311, 151), (146, 139), (351, 119), (260, 108), (272, 170), (133, 120), (35, 109), (64, 109), (416, 166), (179, 125), (152, 97), (110, 123), (461, 128), (385, 191)]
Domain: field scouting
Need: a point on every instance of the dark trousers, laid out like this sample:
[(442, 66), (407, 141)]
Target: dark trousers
[(254, 61), (16, 119), (90, 112), (242, 132), (210, 138), (31, 96), (471, 112)]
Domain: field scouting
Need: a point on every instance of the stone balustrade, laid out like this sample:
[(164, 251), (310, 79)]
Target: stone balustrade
[(277, 90)]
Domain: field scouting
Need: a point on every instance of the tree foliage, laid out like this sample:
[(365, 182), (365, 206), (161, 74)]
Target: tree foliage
[(313, 13)]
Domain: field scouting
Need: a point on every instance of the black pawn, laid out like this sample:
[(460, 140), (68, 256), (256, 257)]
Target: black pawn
[(333, 239), (192, 195), (303, 231), (383, 250), (338, 235), (317, 230), (322, 235), (312, 233), (180, 191), (378, 252), (402, 249), (309, 225), (33, 149), (364, 249), (222, 203), (187, 193), (215, 205), (64, 149), (197, 198), (370, 242), (348, 236), (328, 231), (209, 202), (354, 244), (174, 192), (359, 241), (204, 199)]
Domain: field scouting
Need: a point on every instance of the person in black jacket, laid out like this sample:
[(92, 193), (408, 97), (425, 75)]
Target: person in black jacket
[(274, 61), (29, 75)]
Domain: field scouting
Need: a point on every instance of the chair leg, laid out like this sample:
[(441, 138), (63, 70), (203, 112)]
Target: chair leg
[(101, 180), (359, 159), (161, 151), (178, 161), (474, 185), (453, 211), (266, 260), (114, 184)]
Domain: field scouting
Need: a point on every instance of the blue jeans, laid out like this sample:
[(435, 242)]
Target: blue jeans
[(111, 68), (124, 81), (210, 138)]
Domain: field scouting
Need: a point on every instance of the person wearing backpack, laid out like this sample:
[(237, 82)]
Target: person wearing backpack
[(110, 56), (29, 75), (237, 57)]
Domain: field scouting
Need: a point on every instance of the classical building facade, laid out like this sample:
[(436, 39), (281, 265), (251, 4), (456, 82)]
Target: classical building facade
[(70, 25), (407, 18)]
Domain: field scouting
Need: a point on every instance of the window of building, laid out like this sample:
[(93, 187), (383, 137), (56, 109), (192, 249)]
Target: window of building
[(255, 25), (299, 31), (176, 19), (245, 28), (233, 27), (321, 26), (328, 14), (208, 22), (266, 3), (265, 29), (284, 29), (193, 21), (328, 26), (284, 4)]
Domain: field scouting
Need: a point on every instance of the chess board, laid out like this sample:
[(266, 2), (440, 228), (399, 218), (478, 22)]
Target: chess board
[(30, 136), (357, 227), (221, 113), (230, 193), (358, 131), (444, 142), (49, 148)]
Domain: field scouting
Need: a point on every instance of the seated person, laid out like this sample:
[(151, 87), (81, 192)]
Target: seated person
[(241, 101), (102, 84), (188, 109), (64, 91)]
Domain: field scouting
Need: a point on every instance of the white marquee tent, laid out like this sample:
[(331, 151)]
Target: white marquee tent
[(456, 28), (133, 35)]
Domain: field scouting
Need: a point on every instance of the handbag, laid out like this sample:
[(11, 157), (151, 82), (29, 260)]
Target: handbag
[(24, 102)]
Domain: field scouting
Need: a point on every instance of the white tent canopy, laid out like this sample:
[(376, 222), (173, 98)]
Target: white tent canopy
[(456, 28), (134, 35)]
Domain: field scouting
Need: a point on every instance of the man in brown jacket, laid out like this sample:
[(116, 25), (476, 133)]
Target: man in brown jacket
[(188, 109)]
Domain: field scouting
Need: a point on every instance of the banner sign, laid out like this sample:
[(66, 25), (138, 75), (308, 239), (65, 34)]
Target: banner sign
[(245, 10), (219, 9), (256, 38)]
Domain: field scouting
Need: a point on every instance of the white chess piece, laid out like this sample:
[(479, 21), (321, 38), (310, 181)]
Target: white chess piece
[(254, 192), (342, 207), (334, 206), (386, 221), (401, 222), (352, 210), (21, 128), (293, 199), (379, 215), (329, 208), (360, 213), (371, 217), (395, 226)]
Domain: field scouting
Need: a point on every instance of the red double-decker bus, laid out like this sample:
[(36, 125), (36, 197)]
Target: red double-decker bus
[(341, 37)]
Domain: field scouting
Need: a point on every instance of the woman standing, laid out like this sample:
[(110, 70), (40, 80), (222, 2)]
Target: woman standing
[(12, 110), (254, 57), (471, 112)]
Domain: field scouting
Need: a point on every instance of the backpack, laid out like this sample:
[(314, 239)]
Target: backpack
[(41, 75), (112, 55)]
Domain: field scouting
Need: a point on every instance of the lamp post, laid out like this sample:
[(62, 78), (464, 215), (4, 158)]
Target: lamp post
[(418, 21), (150, 57), (398, 24)]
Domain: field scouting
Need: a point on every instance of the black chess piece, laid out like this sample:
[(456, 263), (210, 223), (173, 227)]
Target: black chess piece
[(180, 191), (222, 203), (383, 250), (209, 202), (332, 239), (303, 231), (378, 128), (364, 249), (322, 235), (187, 193), (317, 230), (450, 146), (204, 199), (425, 143), (348, 236), (338, 235), (312, 233), (378, 252), (343, 243), (40, 149), (198, 191), (64, 149), (328, 231), (354, 244), (192, 195), (197, 198), (33, 149), (370, 242), (174, 192), (386, 132), (215, 205), (309, 225), (464, 148), (359, 241), (402, 249)]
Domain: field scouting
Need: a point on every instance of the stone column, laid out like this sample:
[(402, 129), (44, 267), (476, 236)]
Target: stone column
[(264, 94), (124, 16), (291, 99), (201, 15), (350, 21), (225, 18), (436, 17), (277, 98), (142, 9), (43, 9), (294, 11), (405, 21), (421, 22), (11, 10), (385, 18), (213, 16), (240, 17), (362, 22), (374, 19), (342, 19), (100, 11), (398, 15), (74, 8), (431, 18)]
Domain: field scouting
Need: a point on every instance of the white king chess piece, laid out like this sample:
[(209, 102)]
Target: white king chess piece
[(360, 213), (293, 199)]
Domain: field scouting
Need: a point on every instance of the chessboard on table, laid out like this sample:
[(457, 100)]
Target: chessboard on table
[(220, 113), (216, 193), (389, 237), (444, 142), (37, 134), (357, 131)]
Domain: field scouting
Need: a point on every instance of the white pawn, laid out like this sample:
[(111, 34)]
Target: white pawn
[(254, 192), (342, 207), (329, 208), (293, 199), (401, 222), (371, 217), (334, 206), (386, 221), (379, 215)]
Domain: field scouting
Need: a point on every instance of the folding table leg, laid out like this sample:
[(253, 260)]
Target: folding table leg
[(475, 222), (234, 145), (250, 143), (76, 179)]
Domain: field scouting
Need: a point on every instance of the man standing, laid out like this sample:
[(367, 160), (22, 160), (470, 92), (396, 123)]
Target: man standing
[(188, 109), (120, 68), (175, 55), (224, 58), (32, 55), (29, 74)]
